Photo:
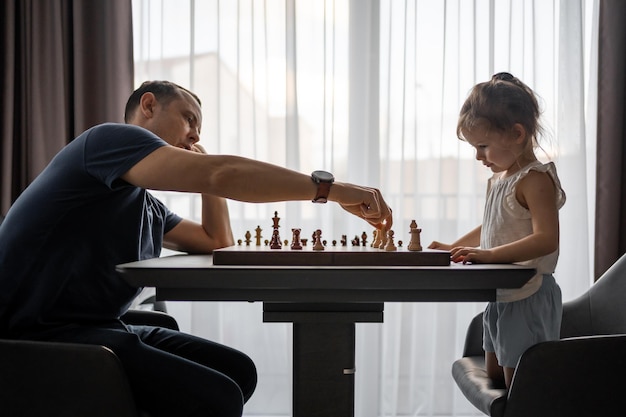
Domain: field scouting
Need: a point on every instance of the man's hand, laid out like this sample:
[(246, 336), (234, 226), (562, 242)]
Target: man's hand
[(368, 204), (196, 147)]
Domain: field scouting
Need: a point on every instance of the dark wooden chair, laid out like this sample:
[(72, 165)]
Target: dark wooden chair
[(582, 374), (66, 379)]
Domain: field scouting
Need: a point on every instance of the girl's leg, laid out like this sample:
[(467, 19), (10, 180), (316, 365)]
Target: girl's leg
[(508, 376), (494, 371)]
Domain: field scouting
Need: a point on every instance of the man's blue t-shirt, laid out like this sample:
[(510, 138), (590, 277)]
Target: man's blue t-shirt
[(63, 237)]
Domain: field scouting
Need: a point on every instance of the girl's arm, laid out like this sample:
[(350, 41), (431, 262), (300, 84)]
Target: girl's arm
[(537, 193), (470, 239)]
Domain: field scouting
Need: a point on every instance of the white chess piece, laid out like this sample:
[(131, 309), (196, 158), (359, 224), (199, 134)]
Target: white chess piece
[(390, 246), (414, 243)]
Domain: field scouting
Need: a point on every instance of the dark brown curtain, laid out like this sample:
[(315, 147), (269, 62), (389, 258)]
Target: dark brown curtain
[(65, 65), (610, 240)]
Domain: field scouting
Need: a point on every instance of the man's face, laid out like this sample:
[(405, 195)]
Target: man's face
[(177, 122)]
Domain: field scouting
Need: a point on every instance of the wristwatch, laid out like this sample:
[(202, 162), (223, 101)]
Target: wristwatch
[(323, 180)]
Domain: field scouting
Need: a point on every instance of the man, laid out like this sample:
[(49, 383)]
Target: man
[(89, 211)]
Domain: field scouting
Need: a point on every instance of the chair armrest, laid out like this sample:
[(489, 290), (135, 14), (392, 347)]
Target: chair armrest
[(471, 377), (49, 378), (149, 318), (578, 376)]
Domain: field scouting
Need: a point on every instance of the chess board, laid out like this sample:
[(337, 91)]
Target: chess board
[(330, 256)]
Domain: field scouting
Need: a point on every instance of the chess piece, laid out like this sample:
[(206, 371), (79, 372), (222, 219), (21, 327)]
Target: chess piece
[(383, 238), (376, 238), (304, 241), (248, 236), (295, 241), (364, 238), (258, 236), (414, 243), (318, 240), (390, 246), (275, 243), (275, 226), (344, 240), (239, 241), (275, 219)]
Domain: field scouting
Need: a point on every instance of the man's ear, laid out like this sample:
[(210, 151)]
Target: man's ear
[(147, 104)]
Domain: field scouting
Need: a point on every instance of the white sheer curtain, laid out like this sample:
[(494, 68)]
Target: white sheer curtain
[(370, 90)]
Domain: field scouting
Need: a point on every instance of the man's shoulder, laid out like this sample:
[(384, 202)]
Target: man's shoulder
[(118, 129), (119, 135)]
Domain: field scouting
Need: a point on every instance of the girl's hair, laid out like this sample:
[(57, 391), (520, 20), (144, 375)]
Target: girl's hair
[(500, 103), (164, 91)]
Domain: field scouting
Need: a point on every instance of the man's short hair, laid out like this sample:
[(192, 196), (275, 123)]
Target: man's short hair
[(164, 91)]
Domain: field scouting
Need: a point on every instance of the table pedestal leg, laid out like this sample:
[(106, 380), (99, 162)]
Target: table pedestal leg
[(323, 365), (323, 353)]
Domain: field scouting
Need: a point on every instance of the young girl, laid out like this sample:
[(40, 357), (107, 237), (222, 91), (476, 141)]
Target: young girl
[(500, 119)]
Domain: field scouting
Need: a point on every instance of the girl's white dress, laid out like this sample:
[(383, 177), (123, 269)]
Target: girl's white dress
[(505, 220)]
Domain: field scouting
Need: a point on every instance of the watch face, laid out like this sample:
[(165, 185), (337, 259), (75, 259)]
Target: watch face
[(322, 176)]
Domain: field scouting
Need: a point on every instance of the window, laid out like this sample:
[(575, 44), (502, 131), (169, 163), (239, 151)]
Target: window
[(370, 90)]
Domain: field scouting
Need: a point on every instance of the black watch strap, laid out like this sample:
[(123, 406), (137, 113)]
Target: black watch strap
[(323, 180)]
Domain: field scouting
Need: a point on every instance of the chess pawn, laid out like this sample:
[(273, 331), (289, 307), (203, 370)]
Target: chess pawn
[(318, 240), (390, 246), (414, 243), (248, 236)]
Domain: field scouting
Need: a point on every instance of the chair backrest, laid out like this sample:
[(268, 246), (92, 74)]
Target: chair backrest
[(574, 377), (602, 309)]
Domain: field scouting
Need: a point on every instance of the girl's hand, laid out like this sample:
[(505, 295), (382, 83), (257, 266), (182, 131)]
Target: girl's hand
[(439, 246), (466, 254)]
